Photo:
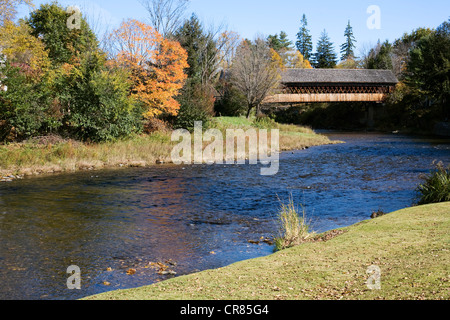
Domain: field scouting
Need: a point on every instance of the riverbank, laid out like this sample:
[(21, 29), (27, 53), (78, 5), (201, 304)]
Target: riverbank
[(49, 155), (409, 246)]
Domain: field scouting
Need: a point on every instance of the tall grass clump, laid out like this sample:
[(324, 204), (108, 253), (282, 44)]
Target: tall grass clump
[(436, 187), (293, 227)]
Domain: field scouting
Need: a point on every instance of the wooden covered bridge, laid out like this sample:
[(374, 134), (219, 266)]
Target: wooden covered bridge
[(333, 85)]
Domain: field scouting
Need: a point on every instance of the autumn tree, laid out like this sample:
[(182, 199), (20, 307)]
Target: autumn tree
[(22, 49), (156, 66), (8, 9), (254, 73), (298, 61)]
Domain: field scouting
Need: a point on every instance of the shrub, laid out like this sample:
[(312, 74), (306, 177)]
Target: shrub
[(232, 104), (264, 122), (436, 187), (100, 108), (24, 106), (197, 104), (293, 228)]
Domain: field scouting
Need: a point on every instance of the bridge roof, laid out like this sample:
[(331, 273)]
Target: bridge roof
[(338, 76)]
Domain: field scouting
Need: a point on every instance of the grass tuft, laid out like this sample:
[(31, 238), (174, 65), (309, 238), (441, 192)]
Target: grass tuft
[(293, 229), (436, 187)]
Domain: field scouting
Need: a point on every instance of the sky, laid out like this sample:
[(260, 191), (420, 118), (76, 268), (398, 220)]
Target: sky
[(250, 18)]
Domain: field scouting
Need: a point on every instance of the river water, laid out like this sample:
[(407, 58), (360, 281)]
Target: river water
[(192, 218)]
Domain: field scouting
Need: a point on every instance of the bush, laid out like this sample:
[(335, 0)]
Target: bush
[(264, 122), (436, 187), (293, 228), (100, 108), (196, 104), (232, 104), (25, 107)]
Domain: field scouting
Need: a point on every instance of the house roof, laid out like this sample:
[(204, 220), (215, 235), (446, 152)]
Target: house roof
[(338, 76)]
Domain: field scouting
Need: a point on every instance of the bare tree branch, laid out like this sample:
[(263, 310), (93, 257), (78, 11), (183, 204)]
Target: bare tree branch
[(254, 73), (165, 16)]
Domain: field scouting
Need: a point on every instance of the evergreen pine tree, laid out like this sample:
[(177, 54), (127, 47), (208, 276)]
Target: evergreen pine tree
[(325, 57), (347, 48), (279, 43), (304, 40)]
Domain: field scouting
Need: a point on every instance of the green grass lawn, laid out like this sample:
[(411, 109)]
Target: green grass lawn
[(411, 247)]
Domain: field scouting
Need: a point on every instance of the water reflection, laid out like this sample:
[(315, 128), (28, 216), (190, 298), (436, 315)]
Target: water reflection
[(198, 217)]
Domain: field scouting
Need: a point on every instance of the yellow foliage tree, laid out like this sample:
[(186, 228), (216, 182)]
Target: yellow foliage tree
[(297, 60), (156, 66), (21, 48), (8, 9)]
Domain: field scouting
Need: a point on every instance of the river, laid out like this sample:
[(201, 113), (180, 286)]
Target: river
[(192, 218)]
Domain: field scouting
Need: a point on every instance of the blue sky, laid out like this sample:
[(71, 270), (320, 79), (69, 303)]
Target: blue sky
[(264, 17)]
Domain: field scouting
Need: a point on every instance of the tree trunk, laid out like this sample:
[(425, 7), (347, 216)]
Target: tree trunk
[(258, 110), (248, 111)]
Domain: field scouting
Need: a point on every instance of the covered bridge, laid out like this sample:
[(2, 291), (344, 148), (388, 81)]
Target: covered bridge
[(333, 85)]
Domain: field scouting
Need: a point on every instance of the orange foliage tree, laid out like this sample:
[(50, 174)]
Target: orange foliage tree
[(156, 66)]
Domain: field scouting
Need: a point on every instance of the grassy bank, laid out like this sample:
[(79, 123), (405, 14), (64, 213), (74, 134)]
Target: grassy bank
[(411, 247), (55, 155)]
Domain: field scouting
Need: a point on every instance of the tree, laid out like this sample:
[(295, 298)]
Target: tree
[(380, 57), (24, 106), (402, 48), (429, 65), (304, 40), (254, 73), (297, 60), (165, 16), (49, 23), (280, 43), (325, 57), (347, 48), (198, 46), (156, 66), (22, 49), (8, 9), (100, 108), (283, 47), (208, 50)]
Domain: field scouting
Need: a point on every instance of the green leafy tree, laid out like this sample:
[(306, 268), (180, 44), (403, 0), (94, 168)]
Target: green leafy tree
[(325, 57), (402, 48), (283, 47), (24, 106), (200, 47), (280, 43), (196, 98), (49, 23), (429, 65), (100, 108), (380, 57), (304, 40), (347, 48), (91, 98)]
